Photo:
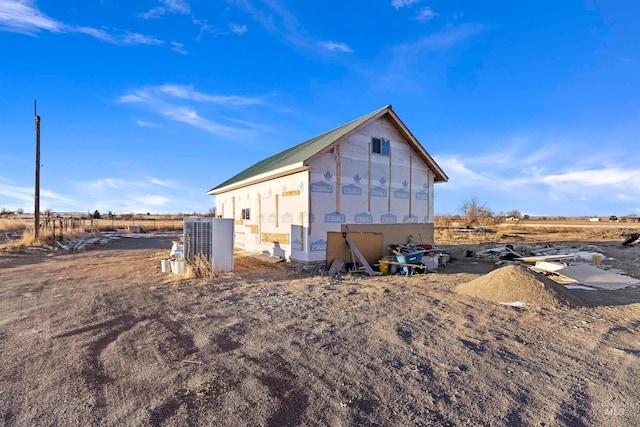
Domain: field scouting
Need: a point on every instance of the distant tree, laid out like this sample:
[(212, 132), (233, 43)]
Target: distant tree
[(474, 211), (514, 214), (48, 211), (110, 215), (526, 217), (613, 218), (19, 211), (96, 214)]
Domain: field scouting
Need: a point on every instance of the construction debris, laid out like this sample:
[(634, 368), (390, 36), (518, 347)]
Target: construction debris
[(569, 266), (408, 258), (357, 254), (630, 239), (587, 276)]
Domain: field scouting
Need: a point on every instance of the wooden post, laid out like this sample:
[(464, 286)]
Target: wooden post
[(338, 174), (369, 180), (259, 217), (389, 195), (36, 209), (410, 182)]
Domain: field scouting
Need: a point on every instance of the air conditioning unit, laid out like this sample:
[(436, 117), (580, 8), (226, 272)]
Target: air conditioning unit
[(211, 238)]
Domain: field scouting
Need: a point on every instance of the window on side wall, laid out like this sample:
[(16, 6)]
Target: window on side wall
[(380, 146), (246, 213)]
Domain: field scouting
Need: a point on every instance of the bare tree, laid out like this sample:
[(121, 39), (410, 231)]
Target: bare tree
[(474, 211), (514, 214)]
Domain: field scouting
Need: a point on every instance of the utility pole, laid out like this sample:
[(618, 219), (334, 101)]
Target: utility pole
[(36, 211)]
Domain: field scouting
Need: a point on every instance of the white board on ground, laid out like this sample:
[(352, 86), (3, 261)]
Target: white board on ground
[(550, 267), (597, 278), (580, 287), (534, 259)]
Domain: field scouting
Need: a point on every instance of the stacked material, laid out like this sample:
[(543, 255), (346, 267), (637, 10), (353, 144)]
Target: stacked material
[(586, 275)]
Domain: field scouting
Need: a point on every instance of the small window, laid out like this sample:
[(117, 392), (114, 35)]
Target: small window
[(380, 146), (246, 213)]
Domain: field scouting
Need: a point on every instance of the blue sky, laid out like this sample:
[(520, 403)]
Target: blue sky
[(145, 105)]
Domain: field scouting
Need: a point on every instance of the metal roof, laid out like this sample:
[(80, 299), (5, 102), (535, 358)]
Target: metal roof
[(305, 150)]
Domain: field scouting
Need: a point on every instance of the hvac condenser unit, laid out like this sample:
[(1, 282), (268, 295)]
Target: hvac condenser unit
[(211, 238)]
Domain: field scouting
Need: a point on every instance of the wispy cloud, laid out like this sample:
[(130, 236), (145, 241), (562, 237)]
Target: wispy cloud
[(335, 46), (274, 16), (178, 47), (119, 37), (143, 123), (399, 4), (238, 29), (23, 16), (191, 117), (167, 7), (150, 94), (425, 14), (525, 177), (133, 194), (24, 196), (168, 101), (166, 183), (407, 63), (446, 38)]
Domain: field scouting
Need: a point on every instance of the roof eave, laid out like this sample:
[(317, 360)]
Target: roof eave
[(278, 173)]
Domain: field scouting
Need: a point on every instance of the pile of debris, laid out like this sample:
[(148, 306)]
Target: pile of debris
[(575, 268), (412, 257)]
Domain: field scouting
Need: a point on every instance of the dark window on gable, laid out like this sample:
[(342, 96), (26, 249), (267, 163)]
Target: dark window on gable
[(380, 146), (246, 213)]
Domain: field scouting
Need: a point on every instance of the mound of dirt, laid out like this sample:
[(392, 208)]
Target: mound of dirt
[(516, 283)]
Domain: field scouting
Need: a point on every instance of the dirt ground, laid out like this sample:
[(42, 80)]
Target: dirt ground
[(103, 337)]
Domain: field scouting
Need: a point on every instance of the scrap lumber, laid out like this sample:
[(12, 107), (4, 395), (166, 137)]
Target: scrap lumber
[(534, 259), (363, 261)]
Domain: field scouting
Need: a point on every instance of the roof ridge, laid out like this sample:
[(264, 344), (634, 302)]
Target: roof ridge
[(299, 152)]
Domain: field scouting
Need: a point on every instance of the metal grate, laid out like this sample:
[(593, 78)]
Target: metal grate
[(198, 238)]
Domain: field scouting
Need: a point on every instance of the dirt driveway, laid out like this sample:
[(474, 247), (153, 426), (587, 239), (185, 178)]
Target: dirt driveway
[(104, 338)]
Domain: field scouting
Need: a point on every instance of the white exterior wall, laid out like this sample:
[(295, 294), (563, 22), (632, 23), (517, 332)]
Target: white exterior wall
[(370, 188), (291, 217)]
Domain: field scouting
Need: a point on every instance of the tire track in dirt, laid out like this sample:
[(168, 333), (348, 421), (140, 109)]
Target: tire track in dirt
[(94, 372), (281, 383), (194, 400), (181, 343)]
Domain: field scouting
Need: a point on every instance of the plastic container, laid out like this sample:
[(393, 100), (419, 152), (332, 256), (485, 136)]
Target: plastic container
[(410, 258), (177, 267), (384, 267), (164, 264)]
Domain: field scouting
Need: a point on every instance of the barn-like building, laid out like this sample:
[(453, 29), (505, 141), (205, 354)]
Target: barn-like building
[(369, 177)]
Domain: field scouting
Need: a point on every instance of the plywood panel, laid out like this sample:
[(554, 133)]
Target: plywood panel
[(370, 244), (395, 233)]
